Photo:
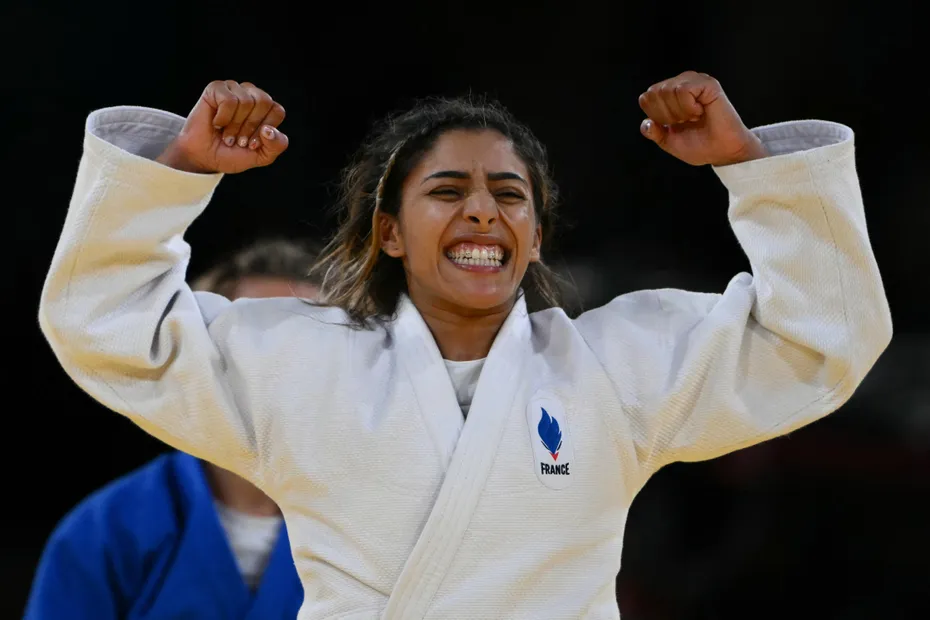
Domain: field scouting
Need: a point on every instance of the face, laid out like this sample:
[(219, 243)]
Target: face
[(256, 287), (466, 230)]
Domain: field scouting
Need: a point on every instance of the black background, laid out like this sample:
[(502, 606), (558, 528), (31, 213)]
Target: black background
[(830, 521)]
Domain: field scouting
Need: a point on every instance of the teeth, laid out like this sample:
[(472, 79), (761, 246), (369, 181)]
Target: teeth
[(486, 256)]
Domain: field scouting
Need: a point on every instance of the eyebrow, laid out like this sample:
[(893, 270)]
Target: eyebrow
[(492, 176)]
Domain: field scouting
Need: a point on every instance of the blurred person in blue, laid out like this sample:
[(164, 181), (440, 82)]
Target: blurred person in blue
[(180, 537)]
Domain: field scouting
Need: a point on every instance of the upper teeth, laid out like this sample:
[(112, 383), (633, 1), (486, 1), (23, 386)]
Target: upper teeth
[(489, 255)]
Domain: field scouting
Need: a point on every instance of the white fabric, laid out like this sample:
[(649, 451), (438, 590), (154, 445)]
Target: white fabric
[(464, 377), (397, 507), (251, 539)]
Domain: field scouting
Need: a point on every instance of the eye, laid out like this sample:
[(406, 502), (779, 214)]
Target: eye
[(446, 193), (510, 195)]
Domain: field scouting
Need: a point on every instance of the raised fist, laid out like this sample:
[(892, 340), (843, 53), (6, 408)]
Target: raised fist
[(233, 127), (690, 117)]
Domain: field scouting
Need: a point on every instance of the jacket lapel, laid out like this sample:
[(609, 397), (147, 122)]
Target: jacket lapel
[(431, 383), (472, 446), (203, 576)]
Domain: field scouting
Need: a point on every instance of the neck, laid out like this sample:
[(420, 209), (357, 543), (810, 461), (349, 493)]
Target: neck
[(239, 494), (463, 335)]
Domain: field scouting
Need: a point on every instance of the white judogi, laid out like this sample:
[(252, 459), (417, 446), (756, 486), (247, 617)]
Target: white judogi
[(395, 506)]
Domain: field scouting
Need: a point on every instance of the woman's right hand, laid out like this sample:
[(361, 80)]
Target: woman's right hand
[(232, 128)]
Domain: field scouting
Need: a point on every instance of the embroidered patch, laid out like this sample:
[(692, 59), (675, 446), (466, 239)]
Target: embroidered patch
[(553, 453)]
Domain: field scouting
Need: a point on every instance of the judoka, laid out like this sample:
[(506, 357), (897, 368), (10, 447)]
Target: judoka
[(442, 439)]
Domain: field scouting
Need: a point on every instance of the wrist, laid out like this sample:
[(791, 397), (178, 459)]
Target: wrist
[(174, 156), (751, 149)]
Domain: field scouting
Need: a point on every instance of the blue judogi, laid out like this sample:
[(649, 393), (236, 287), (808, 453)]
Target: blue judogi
[(150, 546)]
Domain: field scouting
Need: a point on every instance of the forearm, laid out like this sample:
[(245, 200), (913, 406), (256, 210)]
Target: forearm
[(116, 308), (782, 346), (122, 234), (800, 219)]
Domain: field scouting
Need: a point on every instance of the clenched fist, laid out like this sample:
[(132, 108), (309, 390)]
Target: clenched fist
[(232, 128), (690, 117)]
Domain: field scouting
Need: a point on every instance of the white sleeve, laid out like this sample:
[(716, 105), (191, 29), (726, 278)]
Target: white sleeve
[(115, 306), (700, 375)]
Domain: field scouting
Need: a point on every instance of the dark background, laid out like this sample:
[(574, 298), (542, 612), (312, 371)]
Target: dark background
[(830, 522)]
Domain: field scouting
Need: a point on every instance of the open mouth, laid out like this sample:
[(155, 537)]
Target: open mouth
[(477, 257)]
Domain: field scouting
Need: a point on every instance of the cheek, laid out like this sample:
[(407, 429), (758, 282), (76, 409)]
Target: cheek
[(422, 227), (522, 222)]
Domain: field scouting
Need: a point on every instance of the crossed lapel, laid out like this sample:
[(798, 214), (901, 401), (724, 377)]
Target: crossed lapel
[(468, 448), (431, 383)]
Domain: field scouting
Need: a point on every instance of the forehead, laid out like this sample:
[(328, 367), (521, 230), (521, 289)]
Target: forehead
[(259, 286), (481, 150)]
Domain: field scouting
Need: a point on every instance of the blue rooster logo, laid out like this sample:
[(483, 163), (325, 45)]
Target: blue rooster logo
[(550, 434)]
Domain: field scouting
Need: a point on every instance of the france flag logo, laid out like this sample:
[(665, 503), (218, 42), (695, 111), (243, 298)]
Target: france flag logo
[(548, 426), (550, 434)]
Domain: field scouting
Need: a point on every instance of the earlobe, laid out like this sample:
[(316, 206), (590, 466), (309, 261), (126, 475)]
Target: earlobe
[(392, 242)]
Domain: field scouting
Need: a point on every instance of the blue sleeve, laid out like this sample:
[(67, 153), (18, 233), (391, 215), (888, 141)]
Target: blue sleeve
[(75, 578)]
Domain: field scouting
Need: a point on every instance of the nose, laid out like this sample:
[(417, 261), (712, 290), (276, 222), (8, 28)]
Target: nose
[(480, 208)]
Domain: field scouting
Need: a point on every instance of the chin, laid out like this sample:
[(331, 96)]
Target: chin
[(484, 298)]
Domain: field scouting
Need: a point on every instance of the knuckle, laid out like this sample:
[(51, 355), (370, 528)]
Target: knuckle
[(279, 109)]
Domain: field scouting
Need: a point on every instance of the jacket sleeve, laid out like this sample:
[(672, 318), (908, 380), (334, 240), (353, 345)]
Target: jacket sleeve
[(115, 306), (700, 375)]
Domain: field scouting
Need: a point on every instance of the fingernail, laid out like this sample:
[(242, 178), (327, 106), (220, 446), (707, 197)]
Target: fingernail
[(253, 144), (243, 141), (646, 126), (229, 140), (217, 127), (268, 132)]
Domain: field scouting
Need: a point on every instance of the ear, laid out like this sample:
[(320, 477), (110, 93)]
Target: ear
[(537, 244), (392, 241)]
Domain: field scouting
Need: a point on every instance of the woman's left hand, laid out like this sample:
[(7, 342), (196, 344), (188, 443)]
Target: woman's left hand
[(691, 118)]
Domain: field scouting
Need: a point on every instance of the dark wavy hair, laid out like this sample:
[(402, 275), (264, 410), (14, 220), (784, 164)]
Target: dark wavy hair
[(366, 283)]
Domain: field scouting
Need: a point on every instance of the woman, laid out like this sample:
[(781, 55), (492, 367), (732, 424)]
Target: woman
[(350, 415), (181, 538)]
